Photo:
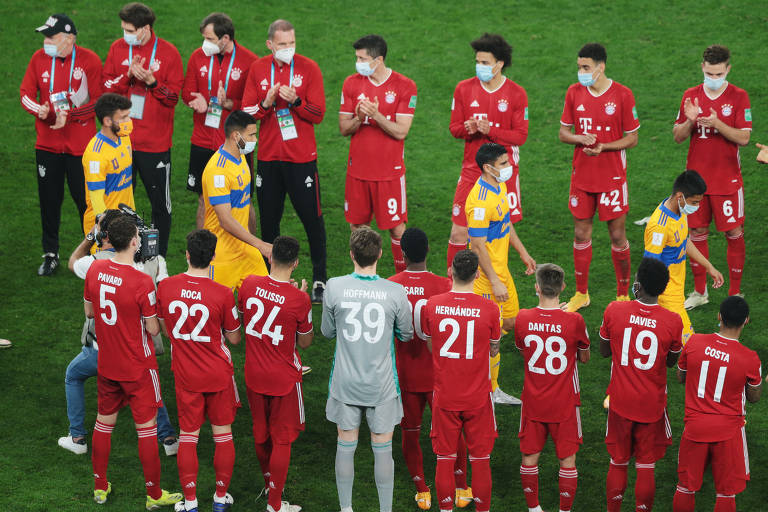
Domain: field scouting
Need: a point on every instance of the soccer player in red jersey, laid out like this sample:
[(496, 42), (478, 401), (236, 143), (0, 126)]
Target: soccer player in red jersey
[(377, 107), (464, 331), (278, 316), (600, 120), (720, 376), (551, 341), (716, 117), (488, 107), (643, 339), (213, 87), (198, 314), (149, 71), (414, 367), (122, 301)]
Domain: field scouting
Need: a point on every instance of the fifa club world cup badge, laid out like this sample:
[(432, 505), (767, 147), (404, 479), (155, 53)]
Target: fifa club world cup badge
[(610, 108)]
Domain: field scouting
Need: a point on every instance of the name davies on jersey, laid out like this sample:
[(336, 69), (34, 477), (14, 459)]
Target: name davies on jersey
[(457, 311), (191, 294), (642, 321), (544, 327), (110, 279), (355, 293), (717, 354), (270, 296)]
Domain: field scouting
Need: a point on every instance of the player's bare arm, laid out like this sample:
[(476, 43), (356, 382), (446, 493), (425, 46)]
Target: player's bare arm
[(735, 135), (584, 355), (164, 329), (397, 129), (233, 337), (605, 347), (682, 131), (234, 228), (752, 393), (695, 255), (478, 247), (495, 347), (81, 251), (517, 244), (629, 140), (762, 156), (305, 340), (88, 307), (672, 358), (348, 124), (152, 325), (568, 136)]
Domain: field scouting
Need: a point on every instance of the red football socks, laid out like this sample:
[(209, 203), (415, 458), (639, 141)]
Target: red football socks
[(452, 250), (444, 482), (725, 503), (223, 462), (645, 486), (460, 468), (278, 469), (684, 500), (735, 255), (699, 273), (615, 485), (582, 257), (569, 478), (263, 451), (481, 482), (414, 459), (101, 445), (188, 465), (150, 460), (622, 267), (529, 478), (397, 254)]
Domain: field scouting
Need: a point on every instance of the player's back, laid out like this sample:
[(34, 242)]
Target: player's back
[(487, 212), (666, 239), (273, 313), (641, 337), (549, 340), (414, 360), (196, 310), (226, 180), (461, 325), (364, 313), (121, 297), (717, 371)]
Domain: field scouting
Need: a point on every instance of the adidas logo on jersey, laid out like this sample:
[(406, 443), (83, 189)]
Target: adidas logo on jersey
[(150, 484), (361, 96), (617, 208), (447, 499), (580, 108), (395, 217), (565, 494), (618, 497), (474, 104)]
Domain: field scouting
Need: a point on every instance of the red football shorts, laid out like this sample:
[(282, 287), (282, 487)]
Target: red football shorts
[(610, 204), (143, 396), (464, 187), (646, 442), (413, 408), (729, 460), (280, 418), (728, 211), (566, 435), (384, 199), (479, 430), (218, 406)]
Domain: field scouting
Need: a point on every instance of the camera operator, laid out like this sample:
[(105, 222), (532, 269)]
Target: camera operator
[(83, 366)]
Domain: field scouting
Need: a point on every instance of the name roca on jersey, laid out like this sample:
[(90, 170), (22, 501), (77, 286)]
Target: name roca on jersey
[(191, 294)]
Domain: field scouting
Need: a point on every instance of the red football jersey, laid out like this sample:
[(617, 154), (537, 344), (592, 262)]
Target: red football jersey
[(414, 361), (709, 153), (195, 311), (506, 110), (308, 82), (641, 336), (718, 369), (122, 297), (273, 313), (84, 81), (461, 325), (200, 71), (549, 340), (374, 155), (152, 133), (608, 116)]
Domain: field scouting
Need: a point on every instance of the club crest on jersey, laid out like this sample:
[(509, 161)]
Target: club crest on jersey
[(456, 210), (258, 180), (503, 105), (727, 110), (77, 74), (41, 170), (574, 201), (610, 108), (236, 74), (389, 96), (298, 80), (155, 65), (203, 70), (191, 180)]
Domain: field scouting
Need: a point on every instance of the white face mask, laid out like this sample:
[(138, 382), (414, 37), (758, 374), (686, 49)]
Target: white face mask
[(285, 54), (249, 146), (50, 50), (364, 68), (210, 48), (504, 173), (131, 39)]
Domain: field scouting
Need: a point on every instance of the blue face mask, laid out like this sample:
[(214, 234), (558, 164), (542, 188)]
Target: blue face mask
[(687, 208), (364, 68), (131, 39), (586, 79), (484, 72), (50, 50), (713, 84)]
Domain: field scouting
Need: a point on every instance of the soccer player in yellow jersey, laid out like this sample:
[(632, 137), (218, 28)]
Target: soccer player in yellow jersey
[(108, 158), (227, 199), (490, 235), (666, 239)]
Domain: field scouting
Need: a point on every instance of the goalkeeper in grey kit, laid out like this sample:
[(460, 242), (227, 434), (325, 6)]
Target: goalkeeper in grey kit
[(364, 313)]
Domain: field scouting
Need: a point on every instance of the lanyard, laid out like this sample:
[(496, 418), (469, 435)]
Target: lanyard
[(71, 69), (229, 70), (151, 58), (272, 75)]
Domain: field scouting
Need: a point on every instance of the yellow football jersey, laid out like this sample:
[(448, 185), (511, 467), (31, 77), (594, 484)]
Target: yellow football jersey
[(487, 212), (108, 167), (227, 179), (666, 237)]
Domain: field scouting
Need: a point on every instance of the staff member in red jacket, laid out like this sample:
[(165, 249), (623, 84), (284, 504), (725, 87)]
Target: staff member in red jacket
[(60, 87), (148, 70), (213, 87), (285, 93)]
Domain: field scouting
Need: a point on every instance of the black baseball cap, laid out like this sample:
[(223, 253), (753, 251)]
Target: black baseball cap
[(57, 23)]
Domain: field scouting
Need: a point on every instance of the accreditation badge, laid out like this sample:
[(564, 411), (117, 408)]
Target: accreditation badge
[(286, 124), (213, 115), (137, 106), (59, 102)]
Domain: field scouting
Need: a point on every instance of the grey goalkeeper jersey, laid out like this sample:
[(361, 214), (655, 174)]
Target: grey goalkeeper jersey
[(364, 313)]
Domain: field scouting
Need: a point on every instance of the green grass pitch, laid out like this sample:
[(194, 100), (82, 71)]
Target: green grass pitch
[(654, 47)]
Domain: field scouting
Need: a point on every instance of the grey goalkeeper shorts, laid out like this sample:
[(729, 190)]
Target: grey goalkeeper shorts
[(381, 418)]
